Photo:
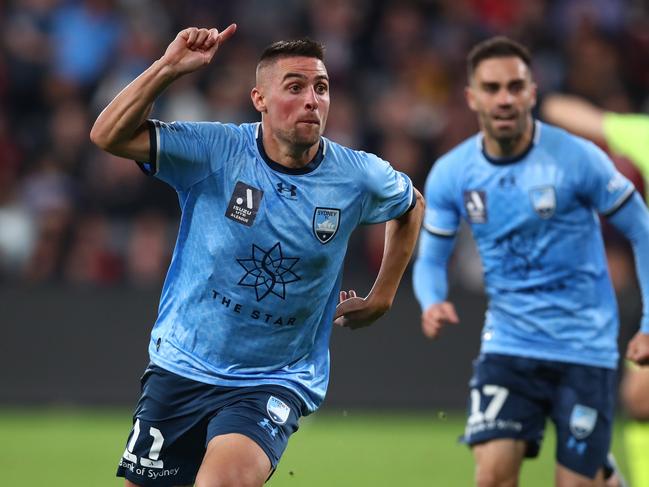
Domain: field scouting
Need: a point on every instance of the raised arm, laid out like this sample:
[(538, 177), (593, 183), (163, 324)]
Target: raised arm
[(120, 128), (575, 115), (400, 239)]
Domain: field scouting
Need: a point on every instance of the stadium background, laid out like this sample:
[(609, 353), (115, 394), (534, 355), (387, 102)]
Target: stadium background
[(85, 238)]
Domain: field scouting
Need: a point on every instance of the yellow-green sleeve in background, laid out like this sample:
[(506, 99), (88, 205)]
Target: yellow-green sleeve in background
[(628, 135)]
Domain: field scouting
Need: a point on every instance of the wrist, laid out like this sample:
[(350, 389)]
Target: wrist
[(165, 71), (380, 301), (644, 326)]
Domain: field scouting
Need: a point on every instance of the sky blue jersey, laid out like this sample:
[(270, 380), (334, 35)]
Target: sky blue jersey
[(253, 283), (534, 220)]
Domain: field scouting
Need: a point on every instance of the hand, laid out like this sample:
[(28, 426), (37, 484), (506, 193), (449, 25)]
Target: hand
[(436, 317), (354, 312), (193, 48), (638, 349)]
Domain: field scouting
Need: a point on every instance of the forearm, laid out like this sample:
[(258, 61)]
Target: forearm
[(122, 121), (632, 220), (430, 275), (400, 240)]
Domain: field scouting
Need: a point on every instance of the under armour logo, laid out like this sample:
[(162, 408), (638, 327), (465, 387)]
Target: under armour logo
[(287, 190), (272, 431)]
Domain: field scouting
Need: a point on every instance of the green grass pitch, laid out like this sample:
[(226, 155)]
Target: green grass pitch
[(333, 449)]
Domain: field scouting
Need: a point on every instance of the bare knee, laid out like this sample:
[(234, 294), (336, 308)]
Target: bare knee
[(498, 462), (494, 477)]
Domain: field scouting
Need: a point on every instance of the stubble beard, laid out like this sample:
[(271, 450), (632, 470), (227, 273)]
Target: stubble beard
[(506, 140)]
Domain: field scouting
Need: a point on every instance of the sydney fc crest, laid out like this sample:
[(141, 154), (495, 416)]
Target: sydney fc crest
[(582, 421), (277, 410), (544, 201), (325, 223)]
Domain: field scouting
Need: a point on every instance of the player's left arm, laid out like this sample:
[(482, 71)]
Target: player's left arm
[(400, 239), (632, 220)]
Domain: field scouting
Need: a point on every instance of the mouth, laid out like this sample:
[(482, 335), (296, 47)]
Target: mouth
[(504, 117), (309, 122)]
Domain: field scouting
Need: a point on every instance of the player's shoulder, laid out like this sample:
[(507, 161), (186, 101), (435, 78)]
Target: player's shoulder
[(460, 156), (554, 139), (350, 158)]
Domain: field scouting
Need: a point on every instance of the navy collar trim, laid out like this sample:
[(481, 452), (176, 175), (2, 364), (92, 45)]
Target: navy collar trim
[(275, 166), (502, 161)]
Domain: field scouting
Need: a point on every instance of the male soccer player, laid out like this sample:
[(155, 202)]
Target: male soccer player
[(530, 193), (625, 134), (240, 347)]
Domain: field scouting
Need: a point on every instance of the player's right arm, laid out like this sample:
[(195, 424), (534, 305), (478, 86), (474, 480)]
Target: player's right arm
[(121, 127), (436, 244)]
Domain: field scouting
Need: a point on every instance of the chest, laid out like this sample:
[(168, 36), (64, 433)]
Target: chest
[(306, 211), (527, 195)]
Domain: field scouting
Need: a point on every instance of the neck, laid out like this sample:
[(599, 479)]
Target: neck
[(286, 153), (512, 147)]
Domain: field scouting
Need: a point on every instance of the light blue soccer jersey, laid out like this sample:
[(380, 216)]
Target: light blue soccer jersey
[(254, 279), (534, 220)]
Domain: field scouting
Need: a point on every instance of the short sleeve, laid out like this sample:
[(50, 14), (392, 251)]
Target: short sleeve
[(600, 184), (184, 153), (442, 215), (389, 193)]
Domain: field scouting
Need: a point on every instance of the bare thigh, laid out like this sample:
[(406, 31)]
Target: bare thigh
[(233, 460), (498, 462)]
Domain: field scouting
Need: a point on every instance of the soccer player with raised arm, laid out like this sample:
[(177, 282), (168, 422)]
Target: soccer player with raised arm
[(530, 193), (239, 350), (626, 134)]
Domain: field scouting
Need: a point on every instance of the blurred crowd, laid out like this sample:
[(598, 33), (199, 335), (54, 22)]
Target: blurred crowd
[(71, 213)]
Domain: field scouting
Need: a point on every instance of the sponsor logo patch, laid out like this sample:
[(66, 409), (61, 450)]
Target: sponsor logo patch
[(325, 223), (244, 204), (544, 201), (277, 410), (475, 203)]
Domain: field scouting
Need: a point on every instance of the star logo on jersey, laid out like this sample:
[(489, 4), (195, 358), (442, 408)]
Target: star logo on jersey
[(268, 271), (544, 201), (325, 223)]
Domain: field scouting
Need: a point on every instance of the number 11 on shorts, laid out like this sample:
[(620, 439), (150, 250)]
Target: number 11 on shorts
[(154, 453)]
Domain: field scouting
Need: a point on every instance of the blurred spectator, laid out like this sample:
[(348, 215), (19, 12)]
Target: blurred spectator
[(398, 76)]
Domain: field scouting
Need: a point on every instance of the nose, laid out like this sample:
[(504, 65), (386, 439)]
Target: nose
[(504, 97), (311, 102)]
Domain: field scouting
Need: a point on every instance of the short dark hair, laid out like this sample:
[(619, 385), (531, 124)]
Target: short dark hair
[(499, 46), (299, 47)]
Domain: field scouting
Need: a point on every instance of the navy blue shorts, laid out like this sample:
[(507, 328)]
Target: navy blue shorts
[(511, 397), (176, 418)]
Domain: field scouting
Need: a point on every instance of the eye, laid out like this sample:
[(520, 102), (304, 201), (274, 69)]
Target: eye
[(516, 87), (294, 88), (321, 88)]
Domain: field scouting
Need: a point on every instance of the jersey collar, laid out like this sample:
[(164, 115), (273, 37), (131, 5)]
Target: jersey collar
[(502, 161), (275, 166)]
